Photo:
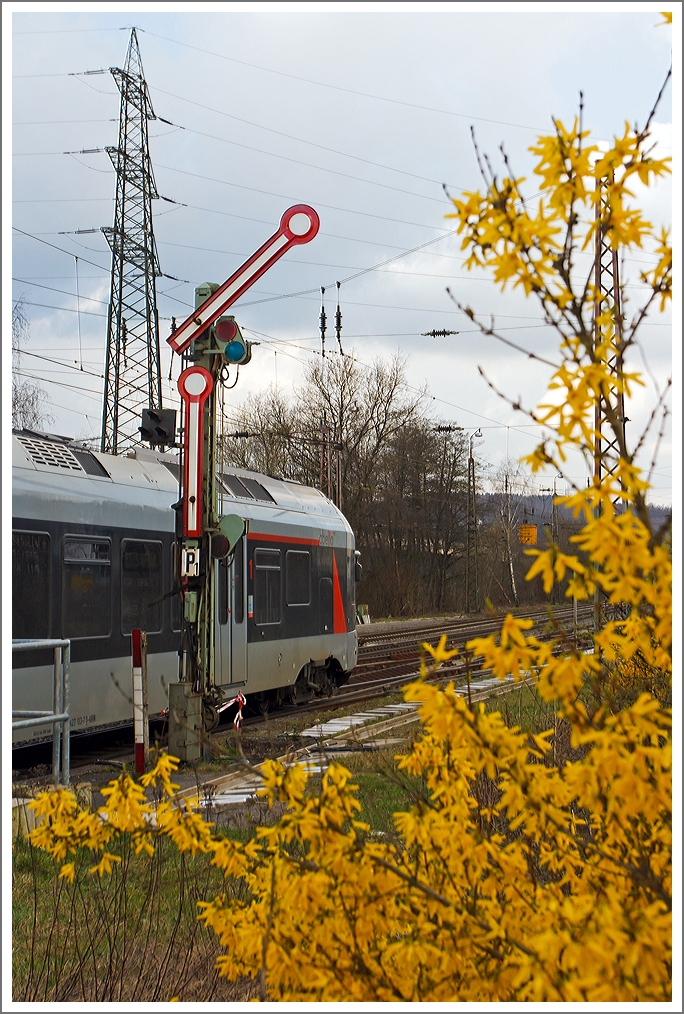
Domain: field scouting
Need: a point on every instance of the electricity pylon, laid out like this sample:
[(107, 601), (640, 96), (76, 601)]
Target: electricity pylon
[(472, 583), (610, 419), (133, 368), (610, 407)]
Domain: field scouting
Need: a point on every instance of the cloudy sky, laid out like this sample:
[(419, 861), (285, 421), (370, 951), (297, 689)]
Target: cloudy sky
[(363, 114)]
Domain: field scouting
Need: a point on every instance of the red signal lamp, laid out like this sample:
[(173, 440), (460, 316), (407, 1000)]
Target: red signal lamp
[(226, 330)]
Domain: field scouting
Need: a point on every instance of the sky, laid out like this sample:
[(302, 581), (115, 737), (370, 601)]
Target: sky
[(361, 113)]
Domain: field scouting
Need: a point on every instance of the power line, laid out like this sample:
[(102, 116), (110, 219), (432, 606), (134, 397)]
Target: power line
[(37, 285), (57, 362), (288, 197), (357, 273), (301, 140), (54, 247), (261, 151), (85, 261), (58, 383), (263, 221), (270, 339), (319, 168), (48, 123), (339, 88), (63, 200), (62, 31), (255, 190), (66, 309), (311, 165)]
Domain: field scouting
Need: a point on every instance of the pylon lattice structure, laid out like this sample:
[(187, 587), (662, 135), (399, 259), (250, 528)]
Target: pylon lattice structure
[(133, 367), (472, 584), (610, 419), (610, 407)]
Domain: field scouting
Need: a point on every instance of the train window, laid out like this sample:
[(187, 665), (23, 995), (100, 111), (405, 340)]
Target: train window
[(30, 584), (86, 587), (141, 586), (256, 489), (239, 590), (236, 487), (297, 579), (91, 550), (266, 586)]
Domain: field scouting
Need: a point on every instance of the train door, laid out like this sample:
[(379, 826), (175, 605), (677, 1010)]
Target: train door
[(231, 627), (325, 592), (238, 625)]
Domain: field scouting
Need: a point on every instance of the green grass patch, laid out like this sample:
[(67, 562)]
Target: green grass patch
[(131, 935)]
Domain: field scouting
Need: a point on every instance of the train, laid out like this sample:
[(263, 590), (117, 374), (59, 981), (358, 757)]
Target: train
[(94, 557)]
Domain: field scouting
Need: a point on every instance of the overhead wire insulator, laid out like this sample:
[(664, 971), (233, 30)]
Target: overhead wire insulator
[(438, 334), (322, 322), (338, 321)]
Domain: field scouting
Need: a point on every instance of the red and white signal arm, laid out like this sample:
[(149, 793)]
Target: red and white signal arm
[(299, 224), (195, 385)]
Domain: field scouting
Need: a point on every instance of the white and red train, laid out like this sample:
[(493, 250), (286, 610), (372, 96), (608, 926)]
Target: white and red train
[(93, 543)]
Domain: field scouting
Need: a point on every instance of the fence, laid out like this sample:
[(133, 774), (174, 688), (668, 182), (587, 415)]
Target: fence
[(58, 718)]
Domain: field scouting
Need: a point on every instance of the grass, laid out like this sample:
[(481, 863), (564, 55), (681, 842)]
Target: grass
[(383, 789), (130, 936), (525, 708)]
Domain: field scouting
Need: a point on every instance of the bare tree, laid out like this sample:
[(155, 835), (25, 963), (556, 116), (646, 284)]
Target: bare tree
[(363, 435), (29, 400)]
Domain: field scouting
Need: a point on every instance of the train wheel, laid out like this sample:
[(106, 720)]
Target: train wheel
[(263, 703), (210, 717)]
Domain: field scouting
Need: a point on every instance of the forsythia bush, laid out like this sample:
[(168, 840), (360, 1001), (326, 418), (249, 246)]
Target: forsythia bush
[(516, 878)]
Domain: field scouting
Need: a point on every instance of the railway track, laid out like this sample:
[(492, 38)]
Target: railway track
[(368, 730), (388, 653), (388, 658)]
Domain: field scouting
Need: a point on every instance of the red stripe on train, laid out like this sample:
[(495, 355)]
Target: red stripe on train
[(283, 538), (339, 622)]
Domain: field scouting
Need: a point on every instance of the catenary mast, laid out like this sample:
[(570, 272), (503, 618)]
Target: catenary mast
[(133, 368)]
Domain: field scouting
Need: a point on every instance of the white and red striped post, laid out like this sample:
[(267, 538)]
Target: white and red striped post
[(194, 385), (140, 722)]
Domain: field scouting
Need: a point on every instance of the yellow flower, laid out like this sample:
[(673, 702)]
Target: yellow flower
[(68, 871), (105, 864)]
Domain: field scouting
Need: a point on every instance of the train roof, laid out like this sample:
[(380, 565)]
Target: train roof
[(51, 466)]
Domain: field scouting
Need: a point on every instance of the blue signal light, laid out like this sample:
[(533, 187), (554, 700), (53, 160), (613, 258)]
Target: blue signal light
[(234, 351)]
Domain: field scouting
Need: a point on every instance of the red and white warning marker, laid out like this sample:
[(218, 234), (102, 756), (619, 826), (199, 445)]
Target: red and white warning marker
[(139, 711), (299, 224), (195, 385), (240, 700)]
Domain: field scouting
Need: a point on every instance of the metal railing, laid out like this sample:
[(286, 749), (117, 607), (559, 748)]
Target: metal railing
[(59, 717)]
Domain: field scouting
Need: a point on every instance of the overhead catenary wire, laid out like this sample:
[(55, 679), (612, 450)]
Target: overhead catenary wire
[(270, 339)]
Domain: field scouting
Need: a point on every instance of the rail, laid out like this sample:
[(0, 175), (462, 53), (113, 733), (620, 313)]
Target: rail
[(59, 717)]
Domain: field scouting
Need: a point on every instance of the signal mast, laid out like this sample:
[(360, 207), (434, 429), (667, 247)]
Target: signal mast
[(209, 340)]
